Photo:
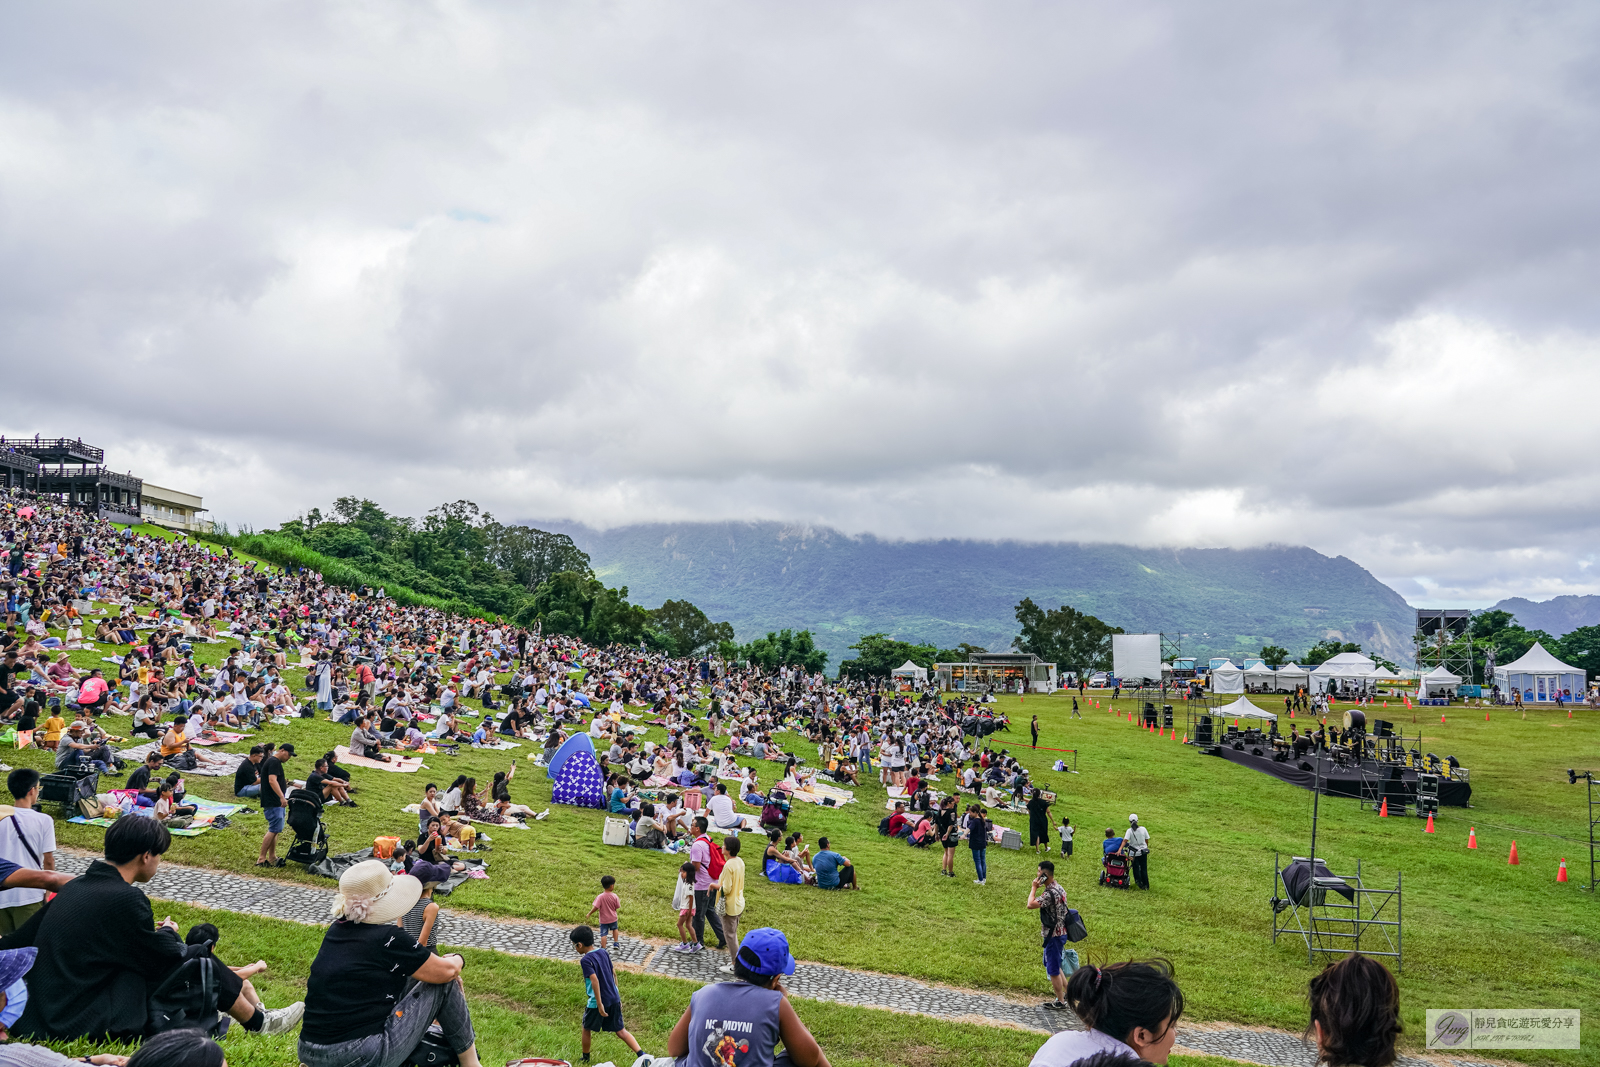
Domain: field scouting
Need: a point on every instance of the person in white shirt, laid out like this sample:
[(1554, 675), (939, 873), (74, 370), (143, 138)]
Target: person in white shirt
[(723, 814), (1136, 843), (27, 839)]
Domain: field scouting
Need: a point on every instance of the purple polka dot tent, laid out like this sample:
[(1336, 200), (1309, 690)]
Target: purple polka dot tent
[(579, 782)]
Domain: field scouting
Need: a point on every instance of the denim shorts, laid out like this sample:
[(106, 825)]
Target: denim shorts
[(274, 820)]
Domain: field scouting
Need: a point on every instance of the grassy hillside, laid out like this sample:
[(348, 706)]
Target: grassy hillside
[(764, 576)]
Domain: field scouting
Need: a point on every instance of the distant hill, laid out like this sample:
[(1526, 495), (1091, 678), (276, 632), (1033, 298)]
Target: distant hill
[(1557, 617), (764, 576)]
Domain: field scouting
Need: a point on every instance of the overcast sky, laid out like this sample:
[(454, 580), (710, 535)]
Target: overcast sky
[(1213, 274)]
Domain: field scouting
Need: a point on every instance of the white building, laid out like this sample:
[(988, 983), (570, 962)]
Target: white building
[(173, 510)]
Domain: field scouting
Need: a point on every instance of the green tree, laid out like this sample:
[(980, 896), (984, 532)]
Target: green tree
[(1581, 648), (1274, 655), (579, 605), (878, 654), (958, 654), (1074, 640), (786, 648), (531, 556), (686, 630), (1325, 650)]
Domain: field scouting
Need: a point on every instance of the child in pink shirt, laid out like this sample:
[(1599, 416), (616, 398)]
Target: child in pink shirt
[(606, 905)]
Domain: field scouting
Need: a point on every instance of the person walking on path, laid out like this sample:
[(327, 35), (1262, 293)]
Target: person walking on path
[(1047, 897), (1137, 845)]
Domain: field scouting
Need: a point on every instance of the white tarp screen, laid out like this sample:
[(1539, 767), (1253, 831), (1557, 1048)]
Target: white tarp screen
[(1136, 656)]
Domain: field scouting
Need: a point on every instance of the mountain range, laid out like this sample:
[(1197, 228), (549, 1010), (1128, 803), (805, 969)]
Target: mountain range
[(764, 576), (1557, 617)]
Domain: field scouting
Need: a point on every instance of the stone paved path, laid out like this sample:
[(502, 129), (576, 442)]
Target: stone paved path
[(813, 981)]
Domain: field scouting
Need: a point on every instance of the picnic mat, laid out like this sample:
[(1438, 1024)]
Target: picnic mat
[(206, 812), (221, 765), (395, 764), (334, 866), (223, 738), (819, 793)]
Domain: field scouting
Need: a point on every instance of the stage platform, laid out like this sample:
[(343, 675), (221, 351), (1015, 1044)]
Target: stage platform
[(1336, 781)]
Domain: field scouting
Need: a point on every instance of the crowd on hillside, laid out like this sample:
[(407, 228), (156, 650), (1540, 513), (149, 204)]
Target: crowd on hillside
[(407, 679)]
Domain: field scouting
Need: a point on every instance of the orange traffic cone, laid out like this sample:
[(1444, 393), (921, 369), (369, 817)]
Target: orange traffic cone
[(1486, 716), (1291, 713), (1472, 837), (1186, 739), (1441, 718), (1383, 812), (1561, 875), (1513, 858), (1429, 830)]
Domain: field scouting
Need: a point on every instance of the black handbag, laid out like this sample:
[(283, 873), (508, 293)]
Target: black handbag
[(1076, 931)]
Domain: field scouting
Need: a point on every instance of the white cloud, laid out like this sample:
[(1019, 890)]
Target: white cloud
[(1178, 275)]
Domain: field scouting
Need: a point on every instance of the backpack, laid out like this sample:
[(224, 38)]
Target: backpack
[(883, 825), (187, 998), (718, 858)]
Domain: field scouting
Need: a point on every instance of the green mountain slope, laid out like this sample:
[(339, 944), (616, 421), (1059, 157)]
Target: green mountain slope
[(763, 576)]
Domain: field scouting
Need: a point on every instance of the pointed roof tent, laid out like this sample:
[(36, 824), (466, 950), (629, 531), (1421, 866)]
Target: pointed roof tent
[(1348, 659), (909, 670), (1243, 709), (1346, 665), (1259, 670), (1291, 670), (1537, 661), (1384, 674), (1227, 678), (1442, 676)]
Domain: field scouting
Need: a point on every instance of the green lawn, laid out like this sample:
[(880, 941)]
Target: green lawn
[(1479, 933)]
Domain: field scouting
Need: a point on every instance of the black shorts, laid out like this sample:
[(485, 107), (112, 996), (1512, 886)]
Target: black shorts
[(610, 1022)]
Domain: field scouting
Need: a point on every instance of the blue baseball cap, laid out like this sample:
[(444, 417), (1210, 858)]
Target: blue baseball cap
[(765, 951)]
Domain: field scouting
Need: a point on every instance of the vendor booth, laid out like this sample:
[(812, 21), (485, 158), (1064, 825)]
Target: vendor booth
[(1259, 678), (1438, 683), (1348, 672), (909, 676), (1541, 678), (1226, 678), (1288, 677)]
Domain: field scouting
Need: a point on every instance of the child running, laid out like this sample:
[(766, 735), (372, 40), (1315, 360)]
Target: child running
[(605, 906), (604, 1006), (683, 904)]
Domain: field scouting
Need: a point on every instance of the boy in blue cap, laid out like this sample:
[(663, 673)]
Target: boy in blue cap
[(742, 1021)]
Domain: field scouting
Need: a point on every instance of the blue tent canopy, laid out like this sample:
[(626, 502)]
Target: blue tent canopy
[(575, 743)]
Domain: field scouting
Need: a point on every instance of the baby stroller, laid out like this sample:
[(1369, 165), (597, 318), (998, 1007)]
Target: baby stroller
[(304, 816), (1114, 871)]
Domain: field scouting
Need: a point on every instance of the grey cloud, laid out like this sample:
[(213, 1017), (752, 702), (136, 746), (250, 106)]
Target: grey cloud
[(1212, 275)]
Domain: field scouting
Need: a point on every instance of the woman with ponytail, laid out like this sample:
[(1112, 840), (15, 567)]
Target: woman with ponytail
[(1131, 1009)]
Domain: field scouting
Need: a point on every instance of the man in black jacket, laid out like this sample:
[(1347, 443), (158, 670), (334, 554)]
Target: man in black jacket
[(101, 953)]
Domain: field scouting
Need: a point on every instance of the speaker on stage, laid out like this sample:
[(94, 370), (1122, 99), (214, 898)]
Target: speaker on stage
[(1382, 728), (1166, 716), (1304, 766), (1149, 713), (1203, 734)]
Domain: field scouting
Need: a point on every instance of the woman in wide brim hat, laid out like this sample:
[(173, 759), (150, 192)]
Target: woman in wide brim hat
[(359, 1011)]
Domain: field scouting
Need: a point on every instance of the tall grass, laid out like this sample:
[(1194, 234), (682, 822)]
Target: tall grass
[(289, 553)]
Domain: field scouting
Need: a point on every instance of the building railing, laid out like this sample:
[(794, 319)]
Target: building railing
[(56, 449), (19, 461), (99, 474)]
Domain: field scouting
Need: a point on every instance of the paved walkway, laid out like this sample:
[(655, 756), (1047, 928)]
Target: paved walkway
[(813, 981)]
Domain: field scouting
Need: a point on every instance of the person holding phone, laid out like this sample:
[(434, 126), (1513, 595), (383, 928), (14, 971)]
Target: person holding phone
[(1046, 896)]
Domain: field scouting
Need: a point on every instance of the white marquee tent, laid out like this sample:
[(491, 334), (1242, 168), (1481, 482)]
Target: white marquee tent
[(1438, 681), (1541, 678), (1243, 709), (910, 672), (1259, 674), (1227, 678), (1345, 667), (1288, 676)]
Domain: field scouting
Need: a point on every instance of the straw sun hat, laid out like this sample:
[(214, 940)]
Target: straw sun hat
[(370, 893)]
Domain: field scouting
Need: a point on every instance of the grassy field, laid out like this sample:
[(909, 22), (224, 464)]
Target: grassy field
[(530, 1007), (1478, 932)]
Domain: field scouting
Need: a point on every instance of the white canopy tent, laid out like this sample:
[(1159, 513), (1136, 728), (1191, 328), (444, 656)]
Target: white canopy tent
[(1243, 709), (1227, 678), (1345, 667), (1259, 674), (910, 672), (1541, 678), (1438, 681), (1290, 676)]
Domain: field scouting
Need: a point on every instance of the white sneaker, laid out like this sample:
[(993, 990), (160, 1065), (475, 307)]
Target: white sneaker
[(977, 881), (284, 1019)]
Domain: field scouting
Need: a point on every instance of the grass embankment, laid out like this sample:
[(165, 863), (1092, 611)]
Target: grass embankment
[(1478, 932)]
